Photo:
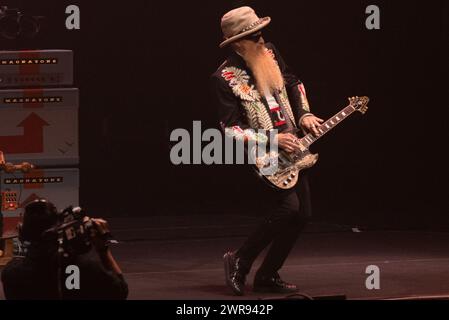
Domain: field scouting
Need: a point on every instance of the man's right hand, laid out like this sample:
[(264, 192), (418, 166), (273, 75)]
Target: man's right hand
[(101, 228), (287, 142)]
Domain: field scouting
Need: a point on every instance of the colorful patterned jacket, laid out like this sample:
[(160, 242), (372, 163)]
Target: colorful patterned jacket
[(241, 108)]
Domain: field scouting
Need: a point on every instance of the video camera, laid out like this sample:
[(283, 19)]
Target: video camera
[(74, 232)]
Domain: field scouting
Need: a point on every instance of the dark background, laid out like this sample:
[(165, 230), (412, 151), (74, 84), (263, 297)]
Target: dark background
[(143, 69)]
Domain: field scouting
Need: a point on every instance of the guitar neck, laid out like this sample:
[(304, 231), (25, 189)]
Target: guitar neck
[(310, 138)]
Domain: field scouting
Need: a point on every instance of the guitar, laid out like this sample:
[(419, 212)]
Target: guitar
[(288, 165)]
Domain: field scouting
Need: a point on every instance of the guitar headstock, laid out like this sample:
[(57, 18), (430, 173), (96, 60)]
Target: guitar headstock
[(360, 104)]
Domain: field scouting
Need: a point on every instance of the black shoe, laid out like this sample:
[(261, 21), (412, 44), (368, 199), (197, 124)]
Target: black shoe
[(273, 284), (235, 277)]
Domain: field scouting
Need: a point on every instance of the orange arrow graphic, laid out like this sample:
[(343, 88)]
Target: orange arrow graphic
[(32, 140)]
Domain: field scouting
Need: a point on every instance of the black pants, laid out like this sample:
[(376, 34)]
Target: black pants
[(289, 213)]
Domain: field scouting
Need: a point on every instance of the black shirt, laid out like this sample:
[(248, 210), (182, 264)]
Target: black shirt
[(35, 277)]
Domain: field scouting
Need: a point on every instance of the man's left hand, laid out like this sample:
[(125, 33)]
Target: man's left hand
[(311, 124)]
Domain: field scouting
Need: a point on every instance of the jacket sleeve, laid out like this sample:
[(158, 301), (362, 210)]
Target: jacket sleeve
[(231, 115), (295, 88)]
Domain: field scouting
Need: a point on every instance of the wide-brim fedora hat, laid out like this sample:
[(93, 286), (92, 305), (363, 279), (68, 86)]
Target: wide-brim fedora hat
[(239, 23)]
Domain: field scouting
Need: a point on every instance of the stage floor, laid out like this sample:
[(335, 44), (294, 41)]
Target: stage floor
[(322, 264), (411, 264)]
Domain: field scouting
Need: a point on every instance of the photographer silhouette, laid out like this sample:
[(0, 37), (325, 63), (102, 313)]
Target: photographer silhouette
[(42, 273)]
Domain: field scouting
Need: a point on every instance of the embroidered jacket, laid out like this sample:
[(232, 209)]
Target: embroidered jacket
[(241, 108)]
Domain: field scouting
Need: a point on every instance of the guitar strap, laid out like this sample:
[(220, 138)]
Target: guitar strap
[(290, 125)]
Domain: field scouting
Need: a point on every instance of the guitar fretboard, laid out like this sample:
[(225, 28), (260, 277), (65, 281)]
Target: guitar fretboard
[(310, 138)]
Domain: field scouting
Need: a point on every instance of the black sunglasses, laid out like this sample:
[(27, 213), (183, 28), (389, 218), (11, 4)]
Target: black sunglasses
[(255, 37)]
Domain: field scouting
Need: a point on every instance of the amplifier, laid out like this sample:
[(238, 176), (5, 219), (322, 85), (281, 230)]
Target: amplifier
[(36, 68), (40, 126), (60, 186)]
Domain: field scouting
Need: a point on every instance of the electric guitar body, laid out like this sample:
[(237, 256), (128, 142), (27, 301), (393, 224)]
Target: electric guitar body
[(281, 170)]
